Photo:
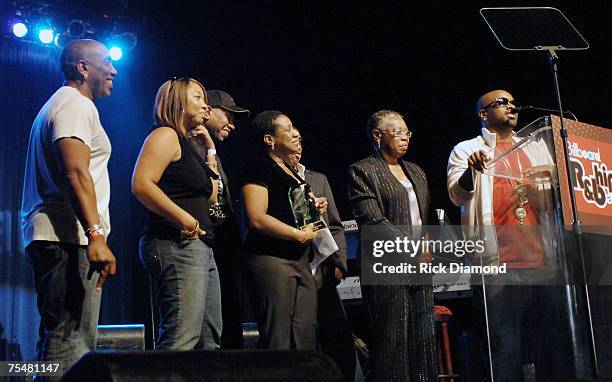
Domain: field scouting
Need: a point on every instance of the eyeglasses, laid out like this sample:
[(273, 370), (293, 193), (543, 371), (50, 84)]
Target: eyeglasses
[(398, 133), (501, 101)]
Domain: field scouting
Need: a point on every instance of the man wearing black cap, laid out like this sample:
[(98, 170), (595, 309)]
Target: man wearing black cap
[(228, 245)]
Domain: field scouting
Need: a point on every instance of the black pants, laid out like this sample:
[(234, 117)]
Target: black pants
[(403, 333), (526, 323), (285, 299), (335, 335), (229, 263)]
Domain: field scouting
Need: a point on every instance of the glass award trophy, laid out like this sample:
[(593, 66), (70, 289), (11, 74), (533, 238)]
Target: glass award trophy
[(305, 213), (301, 200)]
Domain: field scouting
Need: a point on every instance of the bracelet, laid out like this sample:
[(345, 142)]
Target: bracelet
[(95, 229), (211, 152), (305, 238), (193, 231), (93, 234)]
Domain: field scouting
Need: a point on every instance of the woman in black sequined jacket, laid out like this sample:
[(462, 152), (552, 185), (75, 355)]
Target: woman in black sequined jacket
[(390, 196)]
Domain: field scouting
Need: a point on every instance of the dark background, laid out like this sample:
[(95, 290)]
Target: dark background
[(327, 65)]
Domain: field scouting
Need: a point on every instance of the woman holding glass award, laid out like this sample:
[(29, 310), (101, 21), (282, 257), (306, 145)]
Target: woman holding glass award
[(283, 218), (391, 196)]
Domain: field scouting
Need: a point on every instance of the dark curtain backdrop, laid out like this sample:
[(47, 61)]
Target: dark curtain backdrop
[(29, 75), (328, 66)]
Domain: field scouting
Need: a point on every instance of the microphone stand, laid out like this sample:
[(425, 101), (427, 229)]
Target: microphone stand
[(529, 107)]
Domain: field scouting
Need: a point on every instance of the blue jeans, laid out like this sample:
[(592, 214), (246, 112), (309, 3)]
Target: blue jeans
[(68, 303), (188, 293)]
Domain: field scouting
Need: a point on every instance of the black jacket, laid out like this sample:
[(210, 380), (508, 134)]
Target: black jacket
[(377, 197), (325, 273)]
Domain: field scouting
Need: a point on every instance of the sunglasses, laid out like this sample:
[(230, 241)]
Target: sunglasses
[(501, 101)]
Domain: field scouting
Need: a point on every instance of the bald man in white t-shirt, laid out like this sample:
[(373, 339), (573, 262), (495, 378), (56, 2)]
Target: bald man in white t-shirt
[(66, 195)]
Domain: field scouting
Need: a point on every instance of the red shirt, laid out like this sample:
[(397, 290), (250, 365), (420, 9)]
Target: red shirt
[(518, 248)]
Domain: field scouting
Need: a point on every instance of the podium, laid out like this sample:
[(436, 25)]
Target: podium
[(590, 151), (535, 306), (524, 230)]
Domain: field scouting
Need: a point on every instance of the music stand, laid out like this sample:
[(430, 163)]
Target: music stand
[(547, 30)]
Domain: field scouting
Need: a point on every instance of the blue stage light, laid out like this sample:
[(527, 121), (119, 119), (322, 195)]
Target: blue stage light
[(20, 29), (116, 53), (45, 35)]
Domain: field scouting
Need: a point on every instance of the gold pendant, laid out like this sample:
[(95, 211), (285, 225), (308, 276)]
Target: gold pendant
[(521, 199), (520, 213), (521, 190)]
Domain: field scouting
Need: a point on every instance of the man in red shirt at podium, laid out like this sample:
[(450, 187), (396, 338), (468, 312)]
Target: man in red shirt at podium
[(502, 210)]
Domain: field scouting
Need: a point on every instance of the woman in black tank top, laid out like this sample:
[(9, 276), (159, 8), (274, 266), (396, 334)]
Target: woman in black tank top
[(177, 186)]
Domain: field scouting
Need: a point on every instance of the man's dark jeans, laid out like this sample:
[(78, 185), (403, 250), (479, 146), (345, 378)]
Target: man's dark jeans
[(68, 303)]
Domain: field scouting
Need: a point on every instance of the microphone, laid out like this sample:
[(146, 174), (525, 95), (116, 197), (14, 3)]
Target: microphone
[(518, 109)]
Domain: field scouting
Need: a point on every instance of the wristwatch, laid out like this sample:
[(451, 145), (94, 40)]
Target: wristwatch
[(94, 230)]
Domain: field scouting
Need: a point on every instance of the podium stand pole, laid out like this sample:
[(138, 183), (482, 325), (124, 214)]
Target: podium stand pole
[(576, 224), (547, 29)]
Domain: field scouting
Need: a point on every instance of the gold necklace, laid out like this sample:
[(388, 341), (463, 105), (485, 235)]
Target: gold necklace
[(520, 212)]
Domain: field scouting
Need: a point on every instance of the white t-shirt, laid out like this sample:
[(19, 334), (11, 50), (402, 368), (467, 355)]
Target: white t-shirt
[(415, 212), (46, 210)]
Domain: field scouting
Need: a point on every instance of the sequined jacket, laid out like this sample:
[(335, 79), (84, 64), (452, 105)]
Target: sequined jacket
[(378, 198)]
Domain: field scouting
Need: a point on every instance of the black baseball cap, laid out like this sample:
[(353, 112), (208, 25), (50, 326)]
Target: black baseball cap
[(219, 98)]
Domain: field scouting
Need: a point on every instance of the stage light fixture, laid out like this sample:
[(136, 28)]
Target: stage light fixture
[(76, 29), (62, 39), (128, 40), (116, 53), (45, 35), (44, 27), (20, 29)]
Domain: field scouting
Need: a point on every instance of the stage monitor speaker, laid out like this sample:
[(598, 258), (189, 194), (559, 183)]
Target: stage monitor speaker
[(121, 337), (209, 366)]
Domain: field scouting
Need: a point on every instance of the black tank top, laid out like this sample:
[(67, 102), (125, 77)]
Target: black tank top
[(187, 182)]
